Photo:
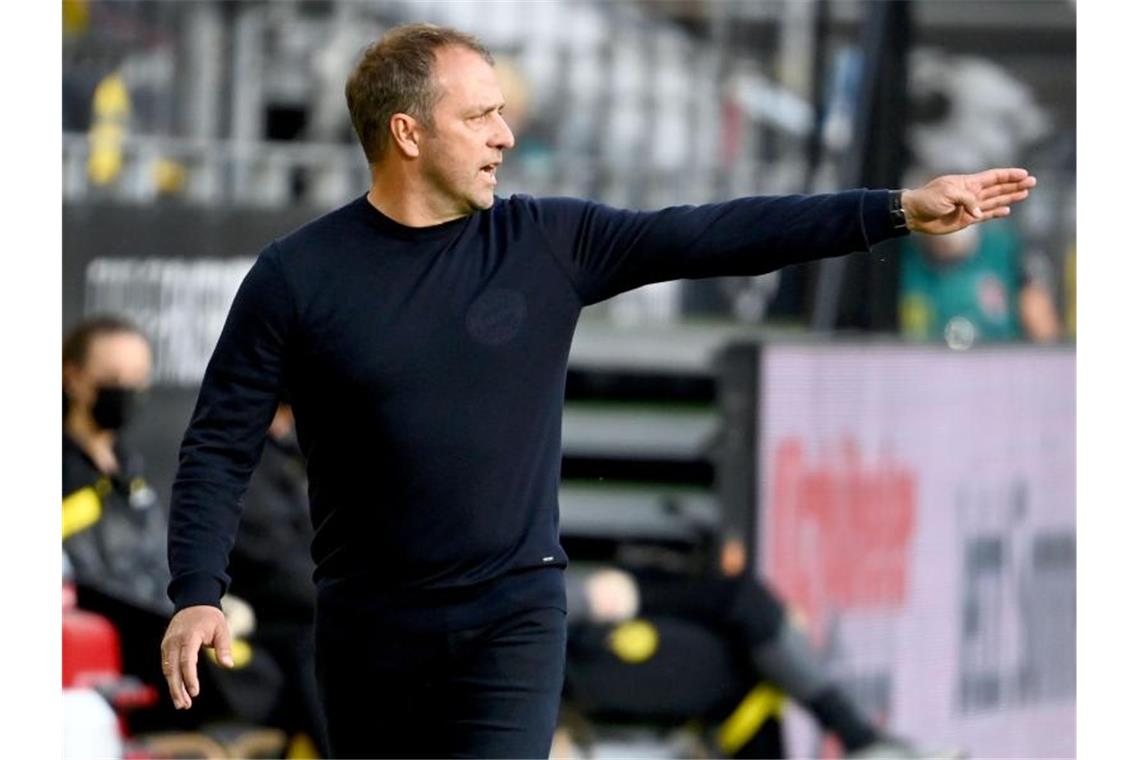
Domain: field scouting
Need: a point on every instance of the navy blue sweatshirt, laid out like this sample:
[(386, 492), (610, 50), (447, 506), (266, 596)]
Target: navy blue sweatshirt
[(426, 367)]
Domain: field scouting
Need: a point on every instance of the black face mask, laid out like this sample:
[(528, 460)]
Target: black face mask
[(115, 406)]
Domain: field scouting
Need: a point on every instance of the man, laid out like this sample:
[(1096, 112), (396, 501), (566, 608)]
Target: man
[(422, 334)]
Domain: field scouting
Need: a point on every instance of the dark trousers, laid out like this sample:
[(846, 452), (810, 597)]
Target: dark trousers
[(491, 691)]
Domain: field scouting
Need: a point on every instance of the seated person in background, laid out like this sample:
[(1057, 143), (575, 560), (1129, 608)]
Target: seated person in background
[(114, 525), (975, 285), (272, 570), (714, 640)]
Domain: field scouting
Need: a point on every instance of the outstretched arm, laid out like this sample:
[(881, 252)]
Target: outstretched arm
[(606, 251)]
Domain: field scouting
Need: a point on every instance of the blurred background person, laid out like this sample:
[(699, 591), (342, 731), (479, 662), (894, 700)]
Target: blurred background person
[(272, 570), (114, 524), (106, 369), (978, 284), (114, 527), (652, 645)]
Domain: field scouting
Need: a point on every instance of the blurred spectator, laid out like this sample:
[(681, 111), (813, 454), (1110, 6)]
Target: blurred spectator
[(114, 529), (976, 284), (114, 526), (700, 649), (272, 570)]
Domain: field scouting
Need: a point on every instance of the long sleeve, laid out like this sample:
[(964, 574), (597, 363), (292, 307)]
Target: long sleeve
[(270, 563), (606, 251), (227, 433)]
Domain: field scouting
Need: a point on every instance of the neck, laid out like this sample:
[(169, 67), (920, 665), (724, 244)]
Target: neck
[(96, 443), (406, 197)]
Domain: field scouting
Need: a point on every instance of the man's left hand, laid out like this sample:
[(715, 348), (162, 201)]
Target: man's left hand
[(953, 201)]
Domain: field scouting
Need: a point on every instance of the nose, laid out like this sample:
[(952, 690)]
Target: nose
[(502, 138)]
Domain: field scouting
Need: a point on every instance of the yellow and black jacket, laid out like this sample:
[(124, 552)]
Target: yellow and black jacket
[(114, 530)]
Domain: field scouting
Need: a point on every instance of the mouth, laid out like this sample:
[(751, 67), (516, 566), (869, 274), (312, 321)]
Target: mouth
[(488, 172)]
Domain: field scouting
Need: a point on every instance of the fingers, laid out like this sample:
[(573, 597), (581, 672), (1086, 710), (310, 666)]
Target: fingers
[(1007, 188), (998, 176), (994, 191), (993, 214), (1004, 200), (171, 652), (222, 646), (968, 201), (189, 629), (188, 664)]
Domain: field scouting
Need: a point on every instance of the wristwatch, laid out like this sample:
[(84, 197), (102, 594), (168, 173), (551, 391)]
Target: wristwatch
[(898, 214)]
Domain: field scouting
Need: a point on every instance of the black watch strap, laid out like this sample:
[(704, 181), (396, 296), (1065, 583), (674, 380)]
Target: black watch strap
[(898, 215)]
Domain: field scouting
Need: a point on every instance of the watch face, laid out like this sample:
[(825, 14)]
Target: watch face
[(898, 216)]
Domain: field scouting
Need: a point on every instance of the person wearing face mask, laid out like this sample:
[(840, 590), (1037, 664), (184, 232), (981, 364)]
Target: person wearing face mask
[(114, 525), (114, 529)]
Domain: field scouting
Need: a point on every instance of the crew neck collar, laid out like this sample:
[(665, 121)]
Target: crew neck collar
[(390, 226)]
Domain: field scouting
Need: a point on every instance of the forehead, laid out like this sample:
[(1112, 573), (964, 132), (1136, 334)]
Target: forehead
[(465, 79), (123, 357)]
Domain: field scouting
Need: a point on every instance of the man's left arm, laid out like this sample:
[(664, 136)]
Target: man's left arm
[(608, 251)]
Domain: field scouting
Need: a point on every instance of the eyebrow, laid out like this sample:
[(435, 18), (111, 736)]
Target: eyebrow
[(479, 110)]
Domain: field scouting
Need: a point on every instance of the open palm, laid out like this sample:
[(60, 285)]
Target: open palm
[(953, 201)]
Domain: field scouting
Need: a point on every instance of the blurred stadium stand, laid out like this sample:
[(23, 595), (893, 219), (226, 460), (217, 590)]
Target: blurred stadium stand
[(639, 104)]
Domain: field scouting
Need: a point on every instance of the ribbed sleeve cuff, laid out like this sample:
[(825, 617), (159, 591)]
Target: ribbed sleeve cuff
[(194, 589), (875, 216)]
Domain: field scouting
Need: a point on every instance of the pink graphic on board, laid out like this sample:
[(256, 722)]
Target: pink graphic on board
[(969, 456), (840, 531)]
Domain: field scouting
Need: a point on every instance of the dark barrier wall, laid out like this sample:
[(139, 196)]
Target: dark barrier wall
[(139, 232), (165, 260)]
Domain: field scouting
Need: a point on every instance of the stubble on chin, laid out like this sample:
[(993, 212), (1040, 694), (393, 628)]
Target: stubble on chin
[(480, 199), (485, 201)]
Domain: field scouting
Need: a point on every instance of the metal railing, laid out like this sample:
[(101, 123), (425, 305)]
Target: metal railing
[(264, 174), (270, 174)]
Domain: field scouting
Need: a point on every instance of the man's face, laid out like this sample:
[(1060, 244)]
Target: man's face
[(465, 145), (114, 360)]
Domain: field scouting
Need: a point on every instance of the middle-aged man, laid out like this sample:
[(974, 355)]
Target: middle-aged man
[(422, 333)]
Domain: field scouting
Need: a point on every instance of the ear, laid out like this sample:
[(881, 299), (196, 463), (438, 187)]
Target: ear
[(405, 134)]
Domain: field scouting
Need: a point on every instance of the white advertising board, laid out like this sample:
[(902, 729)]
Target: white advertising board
[(917, 512)]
